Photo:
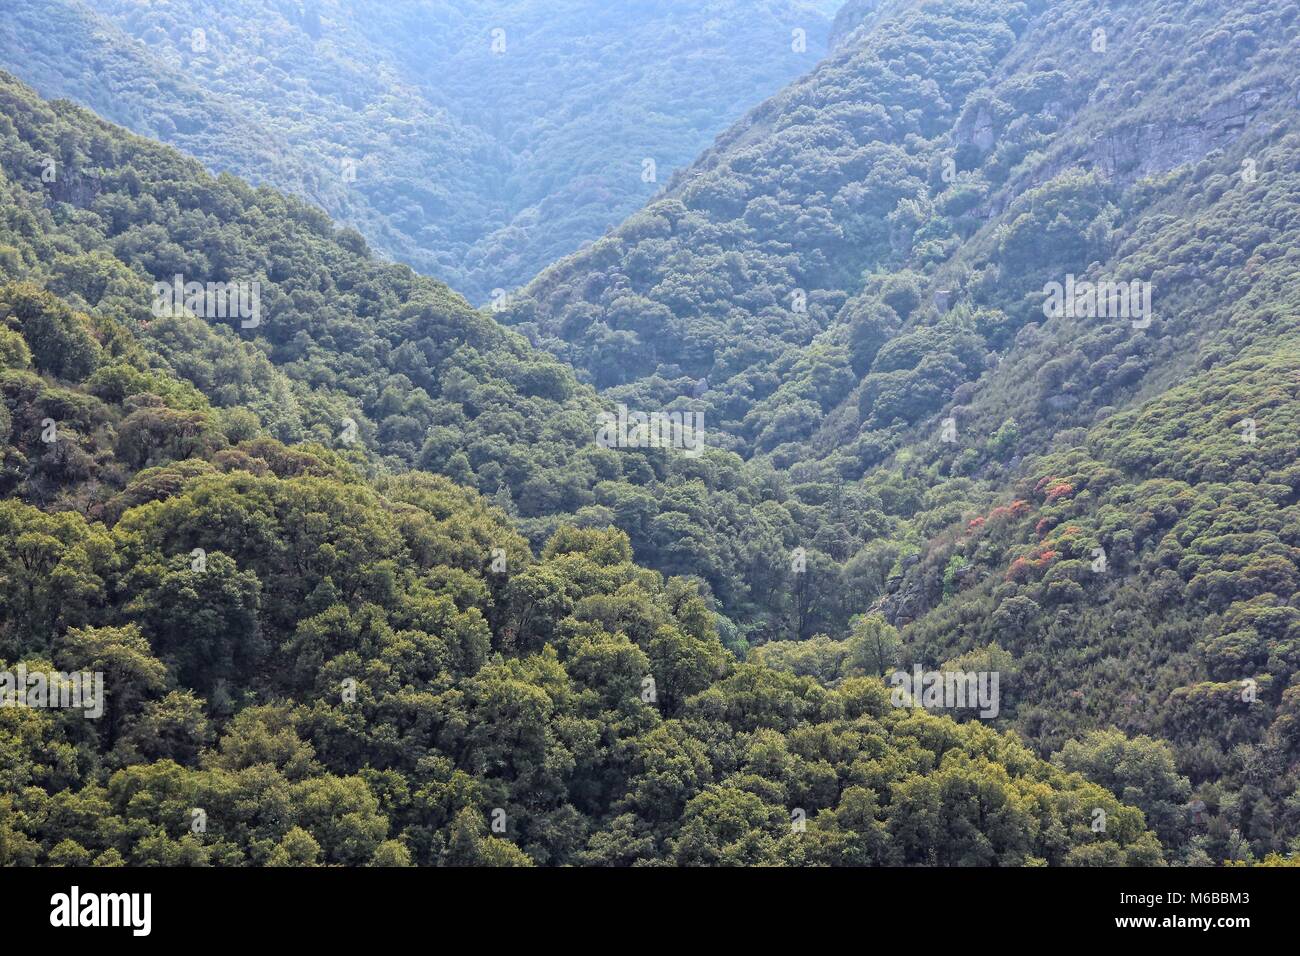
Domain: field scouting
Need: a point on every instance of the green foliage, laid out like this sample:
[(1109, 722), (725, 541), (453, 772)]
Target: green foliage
[(303, 667), (555, 653)]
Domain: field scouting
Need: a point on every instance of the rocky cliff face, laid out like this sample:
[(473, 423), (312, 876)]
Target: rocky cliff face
[(1155, 148), (1125, 150)]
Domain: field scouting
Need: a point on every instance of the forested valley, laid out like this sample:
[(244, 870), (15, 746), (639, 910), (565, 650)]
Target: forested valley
[(366, 587)]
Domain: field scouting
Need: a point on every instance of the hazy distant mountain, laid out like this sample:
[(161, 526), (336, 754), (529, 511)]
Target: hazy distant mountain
[(476, 140)]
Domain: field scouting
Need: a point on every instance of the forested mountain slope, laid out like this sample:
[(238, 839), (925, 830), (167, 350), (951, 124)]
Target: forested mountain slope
[(926, 466), (1103, 505), (388, 367), (976, 149), (475, 140), (311, 660)]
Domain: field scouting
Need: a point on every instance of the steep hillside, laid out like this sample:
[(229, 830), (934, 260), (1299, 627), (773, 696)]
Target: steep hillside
[(944, 163), (387, 367), (922, 194), (305, 666), (754, 250), (921, 455), (476, 140)]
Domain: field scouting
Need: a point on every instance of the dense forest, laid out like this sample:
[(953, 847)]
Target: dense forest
[(326, 660), (429, 125), (367, 587)]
